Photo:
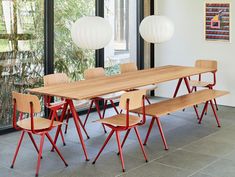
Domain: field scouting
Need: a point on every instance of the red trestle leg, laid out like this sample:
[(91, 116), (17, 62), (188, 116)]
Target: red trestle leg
[(141, 145), (203, 112), (149, 130), (216, 117), (161, 132)]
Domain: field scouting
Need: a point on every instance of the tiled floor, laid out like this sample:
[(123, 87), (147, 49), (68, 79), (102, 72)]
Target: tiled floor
[(195, 150)]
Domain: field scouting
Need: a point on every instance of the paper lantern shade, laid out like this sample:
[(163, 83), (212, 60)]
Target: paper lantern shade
[(156, 29), (91, 32)]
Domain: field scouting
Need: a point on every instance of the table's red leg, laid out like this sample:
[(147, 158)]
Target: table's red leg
[(76, 122)]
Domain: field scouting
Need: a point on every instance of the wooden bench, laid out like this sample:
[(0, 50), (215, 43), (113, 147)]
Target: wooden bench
[(178, 103)]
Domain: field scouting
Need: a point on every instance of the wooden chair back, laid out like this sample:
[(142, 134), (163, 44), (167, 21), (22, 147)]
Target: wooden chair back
[(212, 64), (54, 79), (128, 67), (23, 102), (135, 99), (94, 73)]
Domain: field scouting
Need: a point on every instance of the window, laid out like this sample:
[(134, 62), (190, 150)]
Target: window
[(68, 57), (21, 50), (122, 16)]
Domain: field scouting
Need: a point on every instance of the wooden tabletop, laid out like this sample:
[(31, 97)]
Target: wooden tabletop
[(86, 89)]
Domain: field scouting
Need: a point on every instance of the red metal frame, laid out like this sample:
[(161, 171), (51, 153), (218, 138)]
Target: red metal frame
[(126, 128), (77, 121), (96, 102), (214, 111), (42, 133), (160, 130)]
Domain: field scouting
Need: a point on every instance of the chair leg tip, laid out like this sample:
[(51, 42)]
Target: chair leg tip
[(88, 137), (166, 149), (87, 160), (118, 153), (12, 166), (64, 144), (123, 170), (93, 162), (219, 126), (66, 165), (36, 175), (146, 161), (144, 144)]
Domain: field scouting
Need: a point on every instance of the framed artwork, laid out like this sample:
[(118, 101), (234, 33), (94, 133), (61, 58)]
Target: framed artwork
[(217, 21)]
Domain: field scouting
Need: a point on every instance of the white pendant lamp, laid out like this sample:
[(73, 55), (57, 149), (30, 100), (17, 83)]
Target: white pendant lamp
[(156, 29), (91, 32)]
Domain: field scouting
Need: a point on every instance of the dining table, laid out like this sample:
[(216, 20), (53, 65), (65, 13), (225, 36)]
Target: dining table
[(88, 89)]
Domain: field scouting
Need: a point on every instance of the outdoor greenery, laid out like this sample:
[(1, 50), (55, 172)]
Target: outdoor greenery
[(21, 48)]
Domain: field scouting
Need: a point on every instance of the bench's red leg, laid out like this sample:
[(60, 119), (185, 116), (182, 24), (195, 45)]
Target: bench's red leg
[(161, 132), (216, 116), (195, 108), (149, 130), (203, 111), (126, 135), (177, 87), (147, 100)]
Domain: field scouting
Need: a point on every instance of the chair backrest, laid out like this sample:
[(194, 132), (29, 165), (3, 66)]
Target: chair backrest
[(212, 64), (135, 99), (54, 79), (128, 67), (23, 102), (94, 73)]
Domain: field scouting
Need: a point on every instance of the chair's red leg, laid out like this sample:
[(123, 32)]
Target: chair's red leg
[(82, 125), (216, 117), (121, 111), (149, 130), (40, 154), (88, 112), (161, 132), (59, 127), (105, 107), (102, 148), (114, 107), (147, 100), (195, 108), (216, 105), (33, 141), (61, 134), (98, 111), (120, 150), (67, 122), (203, 112), (177, 87), (124, 139), (57, 150), (17, 149), (141, 145)]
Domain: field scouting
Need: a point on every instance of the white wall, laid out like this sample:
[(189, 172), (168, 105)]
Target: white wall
[(188, 44)]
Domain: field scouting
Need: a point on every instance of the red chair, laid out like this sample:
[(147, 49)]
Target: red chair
[(125, 122), (56, 79), (212, 64), (30, 104), (96, 73)]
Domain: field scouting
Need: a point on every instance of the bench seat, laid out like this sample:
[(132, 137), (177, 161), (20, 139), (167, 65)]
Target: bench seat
[(178, 103)]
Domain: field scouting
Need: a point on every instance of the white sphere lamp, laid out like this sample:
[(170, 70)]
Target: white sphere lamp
[(156, 29), (91, 32)]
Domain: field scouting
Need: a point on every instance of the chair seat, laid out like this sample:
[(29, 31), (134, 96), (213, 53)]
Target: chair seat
[(198, 83), (119, 120), (39, 123), (112, 96), (148, 87)]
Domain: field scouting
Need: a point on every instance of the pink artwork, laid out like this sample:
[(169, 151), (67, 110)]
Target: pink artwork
[(217, 25)]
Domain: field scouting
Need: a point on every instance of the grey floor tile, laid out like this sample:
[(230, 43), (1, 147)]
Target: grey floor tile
[(206, 146), (200, 175), (4, 172), (154, 169), (221, 168), (187, 160)]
